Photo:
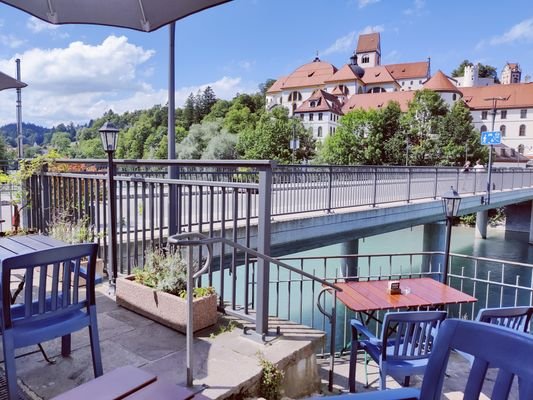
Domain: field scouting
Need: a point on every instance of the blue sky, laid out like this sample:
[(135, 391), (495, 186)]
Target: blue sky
[(75, 72)]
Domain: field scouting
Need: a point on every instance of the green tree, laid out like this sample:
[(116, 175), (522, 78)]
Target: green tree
[(457, 137), (218, 110), (195, 143), (271, 136), (61, 142), (207, 100), (188, 111), (263, 87), (238, 118), (221, 147), (422, 125)]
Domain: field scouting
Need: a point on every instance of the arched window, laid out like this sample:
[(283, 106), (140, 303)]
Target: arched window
[(365, 59), (454, 97), (360, 90), (521, 149), (295, 96), (502, 130), (319, 132), (483, 128), (522, 130), (294, 107)]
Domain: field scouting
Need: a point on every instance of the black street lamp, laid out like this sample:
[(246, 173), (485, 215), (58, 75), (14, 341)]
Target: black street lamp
[(450, 204), (109, 136)]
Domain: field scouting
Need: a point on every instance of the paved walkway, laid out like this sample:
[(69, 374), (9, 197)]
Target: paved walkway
[(225, 362)]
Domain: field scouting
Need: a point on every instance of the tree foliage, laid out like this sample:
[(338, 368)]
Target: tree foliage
[(485, 71)]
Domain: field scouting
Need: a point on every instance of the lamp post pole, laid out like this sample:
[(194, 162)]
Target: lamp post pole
[(489, 173), (20, 142), (109, 134), (450, 202)]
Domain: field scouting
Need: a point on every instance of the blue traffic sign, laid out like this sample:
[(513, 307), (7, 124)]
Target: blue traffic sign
[(490, 138)]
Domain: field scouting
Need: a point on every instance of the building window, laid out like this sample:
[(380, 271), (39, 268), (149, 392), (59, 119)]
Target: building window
[(319, 132), (411, 82), (320, 116), (522, 130), (312, 104), (365, 59), (503, 114), (484, 114), (293, 107), (295, 96), (523, 113), (502, 130), (454, 97), (311, 117), (513, 152), (483, 128), (301, 117), (521, 149), (403, 83), (503, 153), (420, 81)]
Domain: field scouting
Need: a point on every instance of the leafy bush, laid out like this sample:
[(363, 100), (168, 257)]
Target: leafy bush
[(166, 271), (271, 379), (63, 228)]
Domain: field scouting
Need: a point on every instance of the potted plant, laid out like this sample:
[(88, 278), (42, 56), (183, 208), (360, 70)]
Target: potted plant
[(158, 291)]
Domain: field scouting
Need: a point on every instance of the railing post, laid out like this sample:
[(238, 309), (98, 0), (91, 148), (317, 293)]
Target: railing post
[(375, 187), (45, 198), (408, 184), (263, 247), (330, 186), (436, 185)]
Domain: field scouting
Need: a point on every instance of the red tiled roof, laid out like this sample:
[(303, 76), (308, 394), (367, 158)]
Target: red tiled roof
[(440, 83), (312, 74), (324, 101), (343, 74), (378, 100), (408, 70), (277, 86), (516, 95), (378, 74), (368, 42)]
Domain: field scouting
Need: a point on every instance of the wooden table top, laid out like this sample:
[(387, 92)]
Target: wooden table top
[(22, 244), (368, 296)]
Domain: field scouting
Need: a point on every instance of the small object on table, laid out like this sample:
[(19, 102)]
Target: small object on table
[(393, 287)]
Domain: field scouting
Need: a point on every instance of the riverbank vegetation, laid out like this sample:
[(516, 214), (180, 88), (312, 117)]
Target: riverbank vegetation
[(429, 133)]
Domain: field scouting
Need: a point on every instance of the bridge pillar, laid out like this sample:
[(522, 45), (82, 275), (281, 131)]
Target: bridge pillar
[(482, 220), (349, 265), (434, 240), (531, 226)]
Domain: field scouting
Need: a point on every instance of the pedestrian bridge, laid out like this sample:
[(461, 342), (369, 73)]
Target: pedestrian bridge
[(278, 209)]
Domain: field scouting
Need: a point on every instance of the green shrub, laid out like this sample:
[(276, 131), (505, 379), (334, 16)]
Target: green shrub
[(166, 271), (271, 380)]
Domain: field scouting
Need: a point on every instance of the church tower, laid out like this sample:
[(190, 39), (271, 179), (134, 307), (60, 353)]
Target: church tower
[(368, 50), (511, 73)]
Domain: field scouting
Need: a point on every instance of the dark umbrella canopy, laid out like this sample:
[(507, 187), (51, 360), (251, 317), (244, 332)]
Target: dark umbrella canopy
[(7, 82), (142, 15)]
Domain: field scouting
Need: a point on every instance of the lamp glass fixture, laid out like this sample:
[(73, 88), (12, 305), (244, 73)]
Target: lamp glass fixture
[(109, 136), (450, 203)]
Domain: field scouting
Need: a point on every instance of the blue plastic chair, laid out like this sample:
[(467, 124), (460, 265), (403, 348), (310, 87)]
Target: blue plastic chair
[(409, 340), (52, 306), (516, 318), (508, 350)]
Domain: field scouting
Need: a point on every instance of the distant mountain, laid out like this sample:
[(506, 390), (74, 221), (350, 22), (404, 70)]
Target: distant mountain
[(31, 133)]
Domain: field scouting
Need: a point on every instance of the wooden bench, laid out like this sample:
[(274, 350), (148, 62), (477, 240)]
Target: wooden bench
[(129, 383)]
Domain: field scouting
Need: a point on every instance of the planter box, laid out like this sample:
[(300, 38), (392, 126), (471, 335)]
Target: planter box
[(165, 308)]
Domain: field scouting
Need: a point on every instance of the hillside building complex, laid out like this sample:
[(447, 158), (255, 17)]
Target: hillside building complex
[(319, 93)]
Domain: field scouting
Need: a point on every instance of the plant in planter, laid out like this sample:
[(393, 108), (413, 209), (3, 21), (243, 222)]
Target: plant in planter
[(158, 292)]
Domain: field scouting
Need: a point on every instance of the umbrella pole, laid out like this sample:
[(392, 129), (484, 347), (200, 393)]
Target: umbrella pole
[(20, 152), (171, 135)]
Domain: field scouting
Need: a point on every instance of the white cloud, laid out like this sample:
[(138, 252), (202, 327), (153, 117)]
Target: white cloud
[(343, 44), (364, 3), (36, 25), (81, 82), (416, 9), (521, 31), (371, 29), (11, 41)]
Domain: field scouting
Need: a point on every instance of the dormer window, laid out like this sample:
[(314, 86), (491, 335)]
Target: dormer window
[(312, 104)]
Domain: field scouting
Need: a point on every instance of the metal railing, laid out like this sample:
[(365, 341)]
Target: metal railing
[(226, 199), (246, 279)]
